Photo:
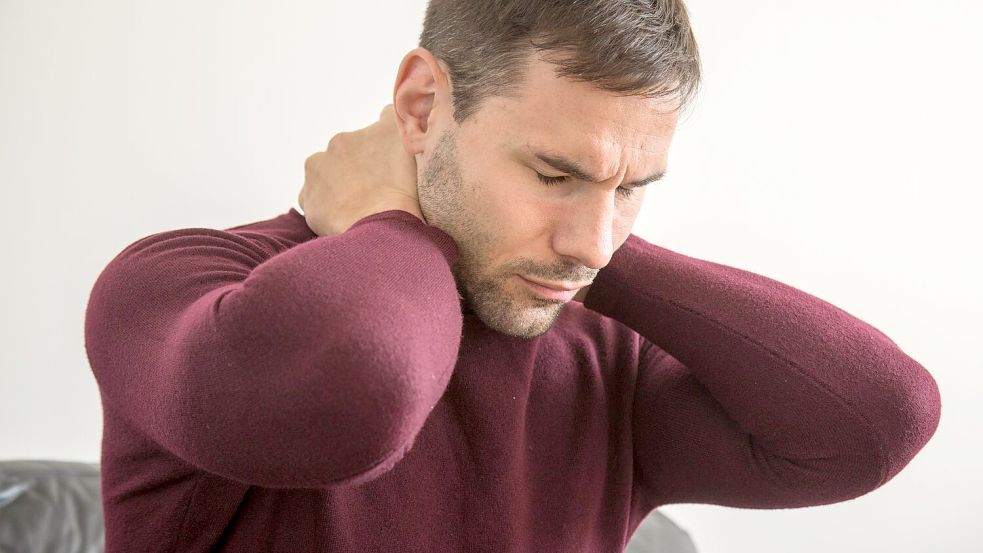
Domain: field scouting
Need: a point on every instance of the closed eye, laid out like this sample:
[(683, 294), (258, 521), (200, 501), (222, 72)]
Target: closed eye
[(552, 181)]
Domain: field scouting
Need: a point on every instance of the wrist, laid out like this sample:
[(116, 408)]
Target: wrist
[(388, 207), (413, 210)]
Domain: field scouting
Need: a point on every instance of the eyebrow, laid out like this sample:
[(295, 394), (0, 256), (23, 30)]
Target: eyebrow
[(573, 169)]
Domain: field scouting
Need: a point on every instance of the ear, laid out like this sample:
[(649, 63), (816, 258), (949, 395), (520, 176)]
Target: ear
[(421, 99)]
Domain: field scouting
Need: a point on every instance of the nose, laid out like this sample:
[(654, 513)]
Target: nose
[(586, 232)]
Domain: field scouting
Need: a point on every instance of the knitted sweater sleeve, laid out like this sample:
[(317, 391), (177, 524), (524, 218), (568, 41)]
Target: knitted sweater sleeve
[(314, 366), (751, 393)]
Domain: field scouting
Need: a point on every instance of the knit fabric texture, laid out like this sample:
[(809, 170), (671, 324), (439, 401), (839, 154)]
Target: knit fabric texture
[(265, 389)]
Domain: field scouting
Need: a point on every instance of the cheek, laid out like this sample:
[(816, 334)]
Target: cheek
[(497, 194), (503, 210), (522, 210)]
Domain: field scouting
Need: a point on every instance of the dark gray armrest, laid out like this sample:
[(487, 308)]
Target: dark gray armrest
[(50, 506), (659, 534), (56, 506)]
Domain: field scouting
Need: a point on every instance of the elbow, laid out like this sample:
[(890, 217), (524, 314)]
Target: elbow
[(904, 421), (916, 417), (331, 416), (273, 393)]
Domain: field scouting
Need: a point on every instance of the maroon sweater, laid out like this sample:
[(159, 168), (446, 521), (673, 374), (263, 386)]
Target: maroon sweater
[(266, 389)]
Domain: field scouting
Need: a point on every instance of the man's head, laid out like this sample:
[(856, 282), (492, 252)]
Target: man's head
[(502, 90)]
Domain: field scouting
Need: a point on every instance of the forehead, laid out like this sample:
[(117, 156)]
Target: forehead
[(582, 120)]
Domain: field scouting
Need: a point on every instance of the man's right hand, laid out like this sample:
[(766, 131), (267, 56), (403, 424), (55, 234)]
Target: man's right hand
[(360, 173)]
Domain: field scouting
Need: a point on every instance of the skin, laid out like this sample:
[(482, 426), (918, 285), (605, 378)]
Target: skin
[(478, 182)]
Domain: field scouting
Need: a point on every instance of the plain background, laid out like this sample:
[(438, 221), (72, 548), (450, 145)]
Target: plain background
[(832, 148)]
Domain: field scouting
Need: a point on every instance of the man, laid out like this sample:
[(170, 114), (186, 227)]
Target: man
[(402, 367)]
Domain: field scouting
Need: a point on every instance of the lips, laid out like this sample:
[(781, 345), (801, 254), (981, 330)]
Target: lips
[(549, 293), (560, 287)]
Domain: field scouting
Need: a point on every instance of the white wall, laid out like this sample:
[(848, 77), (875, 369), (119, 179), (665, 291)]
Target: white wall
[(831, 149)]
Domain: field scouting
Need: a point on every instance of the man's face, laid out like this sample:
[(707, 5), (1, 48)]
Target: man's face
[(480, 185)]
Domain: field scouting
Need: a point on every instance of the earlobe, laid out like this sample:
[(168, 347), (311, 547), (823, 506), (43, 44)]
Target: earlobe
[(417, 95)]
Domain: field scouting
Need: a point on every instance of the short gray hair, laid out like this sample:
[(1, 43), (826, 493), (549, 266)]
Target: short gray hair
[(640, 48)]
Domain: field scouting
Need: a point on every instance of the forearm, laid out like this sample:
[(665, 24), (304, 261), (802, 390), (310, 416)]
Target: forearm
[(301, 370), (802, 377)]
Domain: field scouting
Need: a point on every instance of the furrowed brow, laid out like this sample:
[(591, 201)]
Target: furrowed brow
[(573, 169)]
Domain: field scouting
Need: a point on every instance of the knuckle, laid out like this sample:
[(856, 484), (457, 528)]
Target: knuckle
[(338, 139), (311, 162)]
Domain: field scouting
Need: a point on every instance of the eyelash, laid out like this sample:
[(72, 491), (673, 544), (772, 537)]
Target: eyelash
[(553, 181)]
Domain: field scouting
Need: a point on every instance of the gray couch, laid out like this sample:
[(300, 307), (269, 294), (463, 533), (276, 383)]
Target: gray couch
[(55, 506)]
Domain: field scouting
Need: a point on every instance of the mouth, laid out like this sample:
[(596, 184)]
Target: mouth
[(562, 294)]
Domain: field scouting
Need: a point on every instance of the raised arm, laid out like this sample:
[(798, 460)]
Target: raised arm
[(308, 366), (755, 394), (312, 367)]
